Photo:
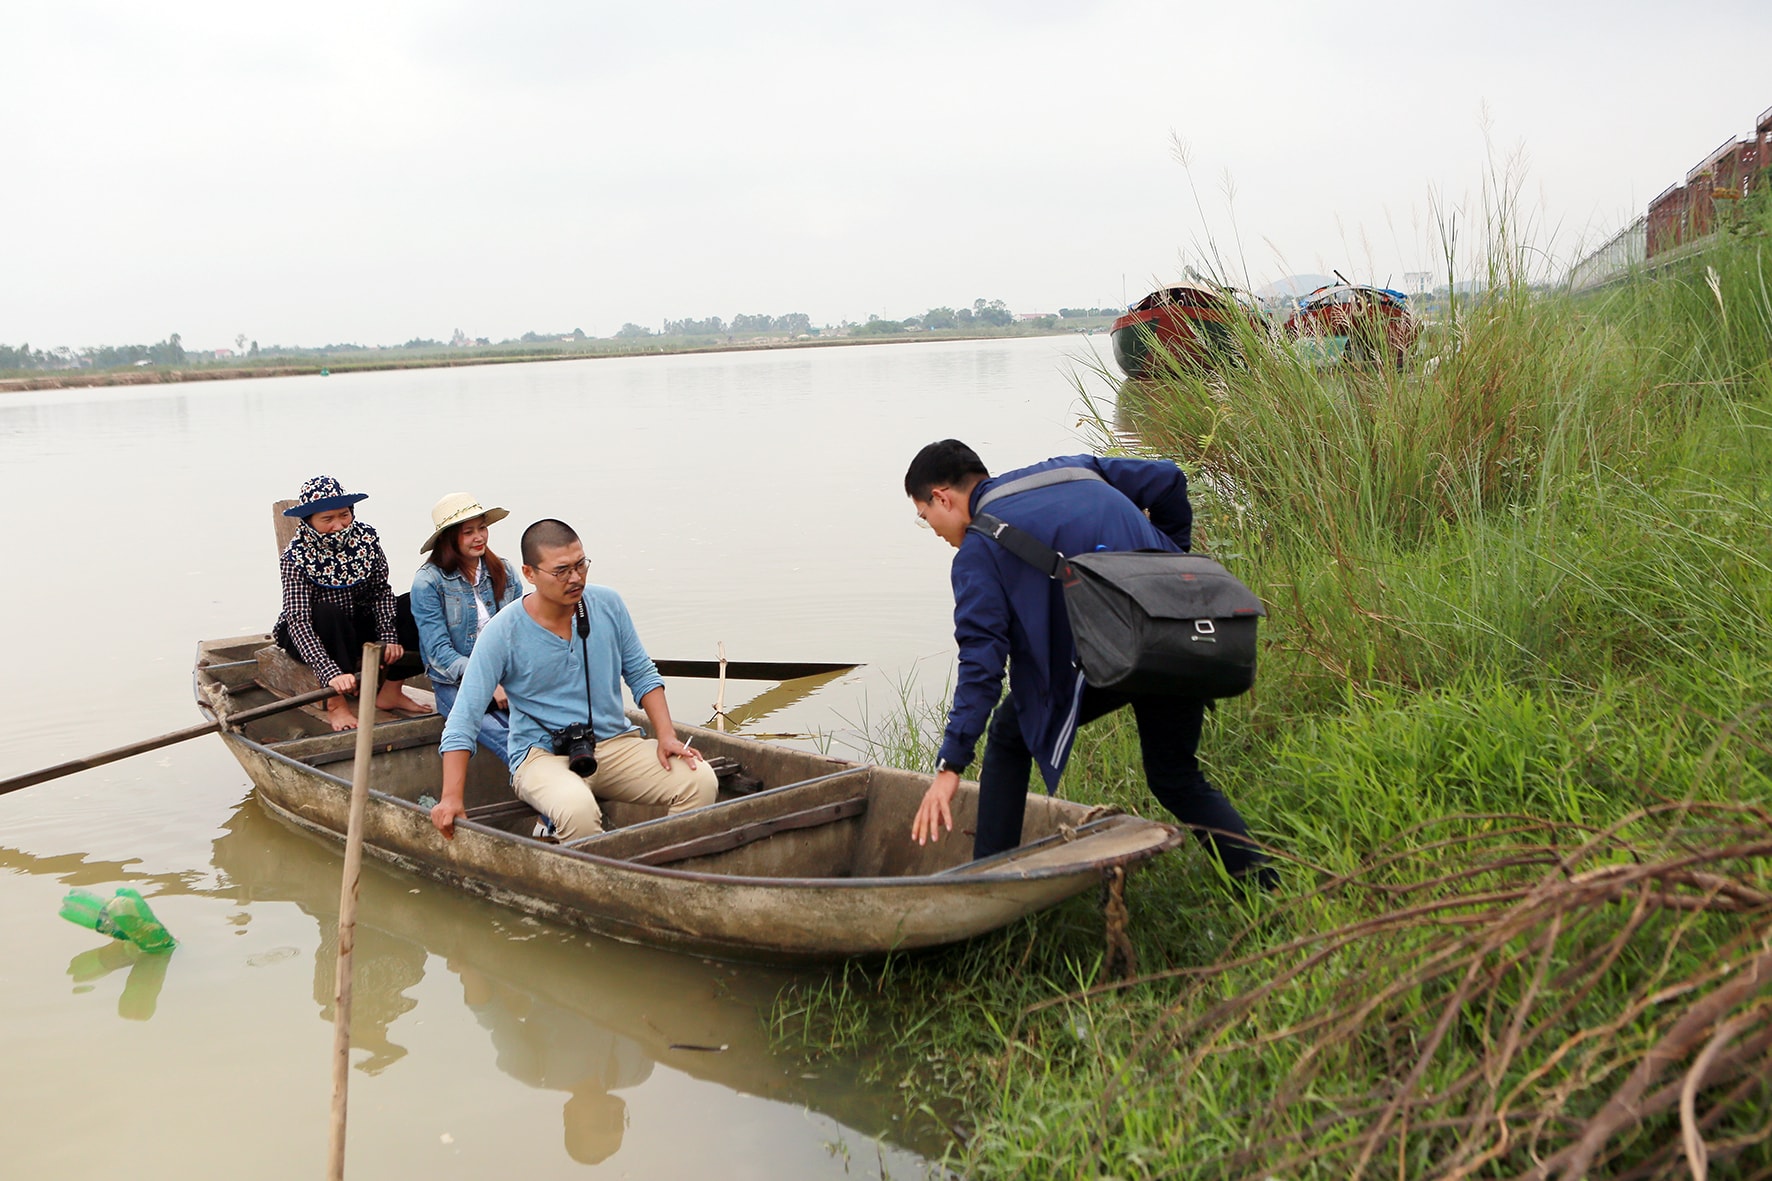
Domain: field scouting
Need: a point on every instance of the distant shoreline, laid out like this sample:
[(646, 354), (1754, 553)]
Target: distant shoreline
[(75, 379)]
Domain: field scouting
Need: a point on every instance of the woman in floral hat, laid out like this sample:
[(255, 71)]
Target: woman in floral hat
[(336, 598), (454, 595)]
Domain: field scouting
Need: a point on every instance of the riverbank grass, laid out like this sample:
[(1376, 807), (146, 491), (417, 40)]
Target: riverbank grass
[(1511, 742)]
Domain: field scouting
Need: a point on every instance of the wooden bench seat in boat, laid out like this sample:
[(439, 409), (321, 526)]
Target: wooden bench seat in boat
[(807, 829)]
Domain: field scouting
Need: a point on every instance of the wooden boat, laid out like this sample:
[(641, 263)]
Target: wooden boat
[(1188, 325), (805, 857), (1373, 324)]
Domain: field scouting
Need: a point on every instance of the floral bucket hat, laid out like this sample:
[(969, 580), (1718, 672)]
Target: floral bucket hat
[(323, 494)]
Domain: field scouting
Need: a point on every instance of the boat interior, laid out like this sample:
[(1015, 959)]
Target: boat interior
[(780, 813)]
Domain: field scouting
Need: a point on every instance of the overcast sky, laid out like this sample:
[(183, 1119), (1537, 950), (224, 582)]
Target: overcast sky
[(328, 171)]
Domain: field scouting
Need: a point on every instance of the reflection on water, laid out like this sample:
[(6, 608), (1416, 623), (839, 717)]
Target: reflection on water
[(551, 1048), (141, 989), (586, 1019)]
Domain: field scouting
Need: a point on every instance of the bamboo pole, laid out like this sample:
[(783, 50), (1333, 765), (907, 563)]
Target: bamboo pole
[(368, 679), (720, 697)]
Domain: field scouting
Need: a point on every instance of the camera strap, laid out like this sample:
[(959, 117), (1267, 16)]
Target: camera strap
[(584, 650)]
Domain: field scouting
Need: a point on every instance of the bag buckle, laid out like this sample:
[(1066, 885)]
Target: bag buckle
[(1204, 627)]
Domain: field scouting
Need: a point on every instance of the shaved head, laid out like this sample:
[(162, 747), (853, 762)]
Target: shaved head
[(545, 534)]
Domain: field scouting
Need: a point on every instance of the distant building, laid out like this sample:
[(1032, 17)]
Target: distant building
[(1417, 282)]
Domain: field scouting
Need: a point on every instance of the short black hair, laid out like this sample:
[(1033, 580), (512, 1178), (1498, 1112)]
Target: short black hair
[(947, 464), (546, 533)]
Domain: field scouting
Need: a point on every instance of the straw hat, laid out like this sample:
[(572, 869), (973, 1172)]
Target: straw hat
[(323, 494), (453, 510)]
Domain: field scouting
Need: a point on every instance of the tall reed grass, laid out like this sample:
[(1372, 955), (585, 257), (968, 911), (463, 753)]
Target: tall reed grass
[(1512, 740)]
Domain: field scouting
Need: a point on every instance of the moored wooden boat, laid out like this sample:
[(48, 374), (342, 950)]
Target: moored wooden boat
[(813, 862), (1373, 324), (1188, 325)]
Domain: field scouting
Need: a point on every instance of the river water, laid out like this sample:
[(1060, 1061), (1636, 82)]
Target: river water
[(753, 499)]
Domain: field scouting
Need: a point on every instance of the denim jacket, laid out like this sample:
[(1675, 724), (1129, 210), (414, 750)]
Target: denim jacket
[(448, 624)]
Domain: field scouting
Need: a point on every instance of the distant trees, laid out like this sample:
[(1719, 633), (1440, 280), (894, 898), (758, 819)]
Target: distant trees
[(630, 330), (20, 358), (743, 324), (170, 351), (996, 313), (712, 326)]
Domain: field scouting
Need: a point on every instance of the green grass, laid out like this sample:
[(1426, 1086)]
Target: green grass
[(1512, 739)]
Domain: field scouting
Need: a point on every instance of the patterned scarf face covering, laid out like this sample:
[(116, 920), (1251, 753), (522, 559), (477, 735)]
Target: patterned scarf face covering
[(337, 559)]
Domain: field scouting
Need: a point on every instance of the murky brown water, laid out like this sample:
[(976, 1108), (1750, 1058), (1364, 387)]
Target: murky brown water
[(750, 498)]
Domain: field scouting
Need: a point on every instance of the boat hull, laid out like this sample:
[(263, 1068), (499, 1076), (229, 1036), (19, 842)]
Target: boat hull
[(1173, 335), (820, 868)]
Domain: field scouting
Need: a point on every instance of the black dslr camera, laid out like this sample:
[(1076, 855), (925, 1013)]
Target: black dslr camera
[(579, 745), (578, 742)]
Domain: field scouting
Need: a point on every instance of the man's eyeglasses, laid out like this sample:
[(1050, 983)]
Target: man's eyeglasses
[(562, 573)]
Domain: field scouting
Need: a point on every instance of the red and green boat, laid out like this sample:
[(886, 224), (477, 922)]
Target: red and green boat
[(1372, 325), (1190, 325)]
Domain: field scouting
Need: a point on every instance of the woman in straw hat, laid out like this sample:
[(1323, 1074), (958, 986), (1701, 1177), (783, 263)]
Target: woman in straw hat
[(454, 596), (336, 598)]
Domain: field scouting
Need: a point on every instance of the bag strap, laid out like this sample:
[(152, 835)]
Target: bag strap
[(1045, 479), (1021, 543)]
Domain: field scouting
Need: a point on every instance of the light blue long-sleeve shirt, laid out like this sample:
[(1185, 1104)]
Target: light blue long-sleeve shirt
[(544, 678)]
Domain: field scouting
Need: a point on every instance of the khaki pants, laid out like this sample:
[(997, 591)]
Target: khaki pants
[(627, 769)]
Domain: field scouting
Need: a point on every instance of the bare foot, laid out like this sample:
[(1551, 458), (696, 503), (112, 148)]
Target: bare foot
[(339, 714), (393, 699)]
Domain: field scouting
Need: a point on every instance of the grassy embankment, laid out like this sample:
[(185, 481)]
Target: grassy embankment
[(1512, 737)]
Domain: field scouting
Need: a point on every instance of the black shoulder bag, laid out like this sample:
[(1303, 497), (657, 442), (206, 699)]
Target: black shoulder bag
[(1145, 621)]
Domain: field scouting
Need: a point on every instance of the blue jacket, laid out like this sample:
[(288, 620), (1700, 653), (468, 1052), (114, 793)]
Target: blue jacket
[(448, 624), (1005, 611)]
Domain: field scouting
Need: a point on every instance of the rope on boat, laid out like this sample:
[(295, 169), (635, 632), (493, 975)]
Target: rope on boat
[(218, 700), (1068, 832), (1120, 962)]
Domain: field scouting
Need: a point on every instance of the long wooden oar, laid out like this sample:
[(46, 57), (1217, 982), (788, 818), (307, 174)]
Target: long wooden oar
[(749, 670), (147, 744)]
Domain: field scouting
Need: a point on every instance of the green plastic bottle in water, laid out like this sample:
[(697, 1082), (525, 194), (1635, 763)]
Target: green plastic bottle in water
[(125, 916)]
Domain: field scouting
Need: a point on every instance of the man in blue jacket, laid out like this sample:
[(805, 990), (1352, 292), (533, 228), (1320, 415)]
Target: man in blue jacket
[(1007, 612)]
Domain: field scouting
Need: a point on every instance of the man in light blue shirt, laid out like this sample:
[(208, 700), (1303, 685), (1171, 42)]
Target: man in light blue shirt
[(562, 652)]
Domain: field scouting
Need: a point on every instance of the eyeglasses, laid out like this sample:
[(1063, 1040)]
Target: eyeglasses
[(923, 524), (562, 573)]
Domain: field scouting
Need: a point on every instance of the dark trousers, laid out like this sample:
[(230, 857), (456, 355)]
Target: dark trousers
[(1168, 736), (343, 633)]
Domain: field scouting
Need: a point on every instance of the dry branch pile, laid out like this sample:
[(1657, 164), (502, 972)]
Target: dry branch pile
[(1555, 1002)]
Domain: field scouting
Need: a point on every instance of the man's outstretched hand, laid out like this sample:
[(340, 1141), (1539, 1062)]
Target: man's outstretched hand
[(936, 811)]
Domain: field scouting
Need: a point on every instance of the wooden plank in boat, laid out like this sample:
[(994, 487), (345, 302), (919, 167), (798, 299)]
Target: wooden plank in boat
[(1114, 839), (757, 830)]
